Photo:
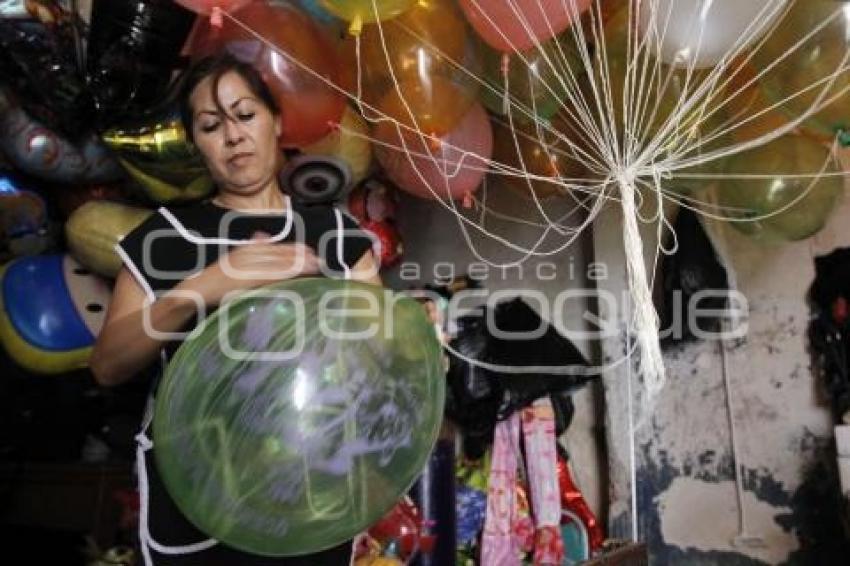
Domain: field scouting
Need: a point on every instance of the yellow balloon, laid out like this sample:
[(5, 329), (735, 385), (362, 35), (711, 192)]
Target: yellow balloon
[(791, 202), (158, 158), (93, 229), (806, 74), (349, 142), (360, 12)]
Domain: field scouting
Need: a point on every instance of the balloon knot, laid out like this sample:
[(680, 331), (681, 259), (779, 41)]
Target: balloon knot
[(216, 18), (467, 200), (333, 126), (506, 63), (356, 25), (434, 143)]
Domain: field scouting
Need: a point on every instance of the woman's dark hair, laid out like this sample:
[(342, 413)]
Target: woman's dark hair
[(216, 66)]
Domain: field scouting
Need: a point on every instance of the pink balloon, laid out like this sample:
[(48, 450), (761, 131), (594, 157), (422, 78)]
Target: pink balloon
[(206, 6), (503, 23), (460, 158)]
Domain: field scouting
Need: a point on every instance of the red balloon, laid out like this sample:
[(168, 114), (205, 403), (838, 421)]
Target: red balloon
[(402, 524), (293, 44), (515, 25), (451, 166), (207, 6), (391, 246), (373, 200)]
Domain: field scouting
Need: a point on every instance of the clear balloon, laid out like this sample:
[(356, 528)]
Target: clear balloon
[(813, 73), (432, 107), (447, 167), (299, 414), (291, 43), (520, 24), (534, 78), (207, 6), (360, 12), (795, 207), (423, 49), (699, 34), (651, 106), (349, 142), (542, 161)]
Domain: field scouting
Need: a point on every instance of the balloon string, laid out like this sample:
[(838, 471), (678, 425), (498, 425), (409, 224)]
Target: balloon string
[(645, 319)]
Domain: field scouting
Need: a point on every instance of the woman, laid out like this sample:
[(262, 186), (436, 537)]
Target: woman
[(181, 263)]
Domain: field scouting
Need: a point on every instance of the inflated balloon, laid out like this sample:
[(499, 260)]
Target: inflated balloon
[(299, 414), (430, 40), (155, 153), (23, 217), (309, 106), (360, 12), (50, 331), (133, 47), (747, 114), (321, 15), (207, 6), (93, 230), (348, 142), (815, 72), (517, 25), (699, 34), (663, 90), (433, 107), (373, 200), (535, 78), (40, 65), (447, 167), (43, 153), (388, 247), (795, 207), (402, 525), (540, 161)]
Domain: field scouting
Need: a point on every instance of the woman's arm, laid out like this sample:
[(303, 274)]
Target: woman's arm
[(366, 270), (124, 346)]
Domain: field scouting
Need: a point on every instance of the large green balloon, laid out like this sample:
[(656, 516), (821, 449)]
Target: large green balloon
[(280, 450), (772, 196)]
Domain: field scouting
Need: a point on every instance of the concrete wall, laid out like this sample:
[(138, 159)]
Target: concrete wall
[(685, 496), (435, 243)]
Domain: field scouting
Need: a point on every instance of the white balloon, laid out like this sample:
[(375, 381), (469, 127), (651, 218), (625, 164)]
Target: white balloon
[(700, 33)]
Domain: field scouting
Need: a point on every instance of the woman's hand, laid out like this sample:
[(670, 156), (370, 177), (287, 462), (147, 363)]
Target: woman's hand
[(252, 265)]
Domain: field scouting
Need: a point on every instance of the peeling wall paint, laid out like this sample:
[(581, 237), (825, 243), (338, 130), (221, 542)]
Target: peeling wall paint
[(687, 506)]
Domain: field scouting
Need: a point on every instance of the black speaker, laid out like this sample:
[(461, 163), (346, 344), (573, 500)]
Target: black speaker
[(313, 179)]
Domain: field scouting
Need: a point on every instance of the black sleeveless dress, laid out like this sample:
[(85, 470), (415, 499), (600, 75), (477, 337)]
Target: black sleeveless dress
[(169, 246)]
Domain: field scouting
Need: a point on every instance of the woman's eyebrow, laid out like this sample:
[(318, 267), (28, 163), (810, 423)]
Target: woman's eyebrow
[(233, 105)]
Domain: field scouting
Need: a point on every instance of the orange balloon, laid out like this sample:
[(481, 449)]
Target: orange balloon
[(547, 160), (435, 106), (309, 105), (421, 42), (428, 42)]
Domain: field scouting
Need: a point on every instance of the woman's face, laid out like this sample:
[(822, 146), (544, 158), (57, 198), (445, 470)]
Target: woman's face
[(240, 146)]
